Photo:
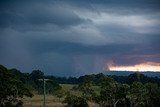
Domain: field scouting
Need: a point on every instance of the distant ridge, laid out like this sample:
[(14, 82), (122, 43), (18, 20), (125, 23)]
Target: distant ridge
[(126, 73)]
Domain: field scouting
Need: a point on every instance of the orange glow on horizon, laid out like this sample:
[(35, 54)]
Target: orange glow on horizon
[(139, 67)]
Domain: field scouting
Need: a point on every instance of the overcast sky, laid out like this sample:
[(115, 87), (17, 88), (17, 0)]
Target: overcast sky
[(76, 37)]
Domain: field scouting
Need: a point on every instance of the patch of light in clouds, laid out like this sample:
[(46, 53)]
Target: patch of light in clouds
[(148, 66)]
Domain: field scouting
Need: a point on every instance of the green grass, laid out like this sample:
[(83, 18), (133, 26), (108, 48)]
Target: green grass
[(68, 88)]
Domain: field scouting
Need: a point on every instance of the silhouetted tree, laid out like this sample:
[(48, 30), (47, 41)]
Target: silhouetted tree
[(11, 89)]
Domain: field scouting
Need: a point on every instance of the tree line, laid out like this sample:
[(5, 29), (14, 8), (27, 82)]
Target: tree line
[(115, 94), (135, 90)]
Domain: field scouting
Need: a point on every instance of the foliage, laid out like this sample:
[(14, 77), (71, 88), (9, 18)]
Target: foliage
[(137, 94), (11, 89), (136, 77), (52, 86), (120, 79), (87, 93), (108, 91), (86, 87), (13, 85), (135, 90), (32, 80), (75, 101), (60, 93), (152, 94)]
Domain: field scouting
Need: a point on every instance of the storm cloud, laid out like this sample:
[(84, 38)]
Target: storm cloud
[(70, 37)]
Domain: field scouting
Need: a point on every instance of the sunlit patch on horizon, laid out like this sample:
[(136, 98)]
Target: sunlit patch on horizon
[(148, 66)]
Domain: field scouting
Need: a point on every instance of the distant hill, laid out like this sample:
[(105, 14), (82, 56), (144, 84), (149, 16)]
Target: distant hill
[(126, 73)]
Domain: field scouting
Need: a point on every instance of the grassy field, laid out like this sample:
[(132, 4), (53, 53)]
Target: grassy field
[(37, 101), (53, 101), (68, 88)]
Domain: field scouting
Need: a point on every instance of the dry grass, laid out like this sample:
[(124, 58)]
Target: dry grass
[(91, 104), (37, 101), (52, 101)]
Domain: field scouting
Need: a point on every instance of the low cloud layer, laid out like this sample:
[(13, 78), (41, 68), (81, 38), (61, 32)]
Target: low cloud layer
[(78, 37)]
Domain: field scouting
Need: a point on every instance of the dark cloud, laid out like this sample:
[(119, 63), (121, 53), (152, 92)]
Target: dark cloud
[(77, 49), (78, 37), (22, 14), (118, 6)]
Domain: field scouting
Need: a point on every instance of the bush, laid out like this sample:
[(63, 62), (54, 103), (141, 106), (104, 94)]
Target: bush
[(74, 101)]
